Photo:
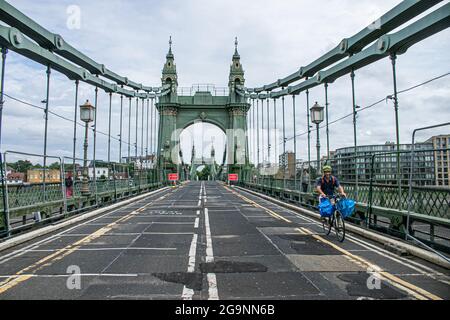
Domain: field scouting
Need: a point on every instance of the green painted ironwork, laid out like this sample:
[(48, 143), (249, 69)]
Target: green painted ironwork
[(177, 112)]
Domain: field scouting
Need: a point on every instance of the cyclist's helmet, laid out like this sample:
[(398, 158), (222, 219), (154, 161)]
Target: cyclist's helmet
[(327, 169)]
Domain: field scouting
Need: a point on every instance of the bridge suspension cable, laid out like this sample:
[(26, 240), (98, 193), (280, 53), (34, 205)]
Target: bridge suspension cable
[(375, 103), (392, 19), (59, 116)]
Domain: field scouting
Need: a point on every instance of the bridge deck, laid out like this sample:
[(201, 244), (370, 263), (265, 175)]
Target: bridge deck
[(209, 241)]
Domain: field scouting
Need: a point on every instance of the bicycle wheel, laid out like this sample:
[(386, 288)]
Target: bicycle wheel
[(326, 225), (339, 226)]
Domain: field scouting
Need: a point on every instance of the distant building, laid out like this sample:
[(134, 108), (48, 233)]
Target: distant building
[(441, 159), (9, 170), (15, 178), (99, 172), (385, 164), (37, 176), (287, 165), (147, 162)]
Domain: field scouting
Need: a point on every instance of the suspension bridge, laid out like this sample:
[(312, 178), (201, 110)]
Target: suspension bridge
[(145, 227)]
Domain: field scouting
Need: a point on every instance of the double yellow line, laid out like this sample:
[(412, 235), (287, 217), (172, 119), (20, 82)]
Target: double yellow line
[(24, 274), (271, 212), (395, 281)]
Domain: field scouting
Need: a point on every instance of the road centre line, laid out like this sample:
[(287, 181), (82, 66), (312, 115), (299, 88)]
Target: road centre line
[(188, 293)]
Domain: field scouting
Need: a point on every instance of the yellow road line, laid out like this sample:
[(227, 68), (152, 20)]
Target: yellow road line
[(417, 292), (60, 254), (272, 213)]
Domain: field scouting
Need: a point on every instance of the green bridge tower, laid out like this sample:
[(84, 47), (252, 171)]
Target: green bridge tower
[(228, 112)]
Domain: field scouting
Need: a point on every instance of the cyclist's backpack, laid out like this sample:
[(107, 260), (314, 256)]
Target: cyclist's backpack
[(333, 180), (326, 208)]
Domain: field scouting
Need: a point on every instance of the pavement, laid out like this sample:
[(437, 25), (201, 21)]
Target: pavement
[(205, 240)]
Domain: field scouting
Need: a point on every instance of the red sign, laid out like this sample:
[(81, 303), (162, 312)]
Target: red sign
[(173, 176), (233, 177)]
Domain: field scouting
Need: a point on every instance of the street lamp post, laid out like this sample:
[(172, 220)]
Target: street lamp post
[(86, 115), (317, 119)]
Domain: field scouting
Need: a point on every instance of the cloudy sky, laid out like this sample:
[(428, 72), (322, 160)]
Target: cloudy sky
[(275, 39)]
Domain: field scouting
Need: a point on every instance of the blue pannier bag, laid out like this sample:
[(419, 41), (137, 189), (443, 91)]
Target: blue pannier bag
[(326, 208), (346, 207)]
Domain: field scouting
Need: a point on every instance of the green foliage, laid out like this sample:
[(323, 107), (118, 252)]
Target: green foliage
[(21, 166), (204, 174), (24, 165), (55, 166)]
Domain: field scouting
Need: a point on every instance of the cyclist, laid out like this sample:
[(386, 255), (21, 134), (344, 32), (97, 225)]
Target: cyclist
[(326, 184)]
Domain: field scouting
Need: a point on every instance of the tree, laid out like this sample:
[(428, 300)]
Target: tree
[(21, 166), (55, 166), (204, 174)]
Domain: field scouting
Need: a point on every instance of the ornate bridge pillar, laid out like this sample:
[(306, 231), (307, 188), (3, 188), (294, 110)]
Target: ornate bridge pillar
[(237, 146), (169, 148)]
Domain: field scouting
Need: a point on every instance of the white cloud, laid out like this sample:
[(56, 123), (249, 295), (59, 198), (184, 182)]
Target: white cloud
[(275, 39)]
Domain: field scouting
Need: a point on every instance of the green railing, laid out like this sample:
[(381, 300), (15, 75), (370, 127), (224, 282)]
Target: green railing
[(53, 201), (381, 192)]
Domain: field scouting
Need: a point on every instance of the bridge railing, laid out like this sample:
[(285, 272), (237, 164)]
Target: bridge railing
[(30, 202), (215, 91), (381, 190)]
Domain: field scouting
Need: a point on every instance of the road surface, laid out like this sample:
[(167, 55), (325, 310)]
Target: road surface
[(205, 240)]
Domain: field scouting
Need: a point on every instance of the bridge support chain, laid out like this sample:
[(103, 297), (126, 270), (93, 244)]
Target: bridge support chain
[(285, 158), (352, 77), (308, 127), (74, 152), (109, 127), (393, 57), (49, 71), (120, 129), (327, 121), (94, 157), (5, 217), (295, 142)]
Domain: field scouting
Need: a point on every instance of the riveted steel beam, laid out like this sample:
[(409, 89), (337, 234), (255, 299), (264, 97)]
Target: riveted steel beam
[(397, 42), (394, 18), (54, 42), (271, 86), (16, 41)]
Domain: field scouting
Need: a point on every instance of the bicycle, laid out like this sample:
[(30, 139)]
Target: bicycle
[(336, 220)]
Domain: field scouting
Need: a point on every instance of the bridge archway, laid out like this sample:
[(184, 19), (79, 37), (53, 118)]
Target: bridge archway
[(228, 111), (203, 144)]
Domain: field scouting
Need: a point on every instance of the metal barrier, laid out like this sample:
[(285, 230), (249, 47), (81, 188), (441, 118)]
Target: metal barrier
[(31, 204), (381, 201)]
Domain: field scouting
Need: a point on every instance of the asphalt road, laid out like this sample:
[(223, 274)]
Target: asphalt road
[(210, 241)]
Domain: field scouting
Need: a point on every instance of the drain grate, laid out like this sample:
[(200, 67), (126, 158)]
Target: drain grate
[(232, 267)]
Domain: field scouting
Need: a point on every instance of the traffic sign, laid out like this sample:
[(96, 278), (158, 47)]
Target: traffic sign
[(233, 177), (173, 176)]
